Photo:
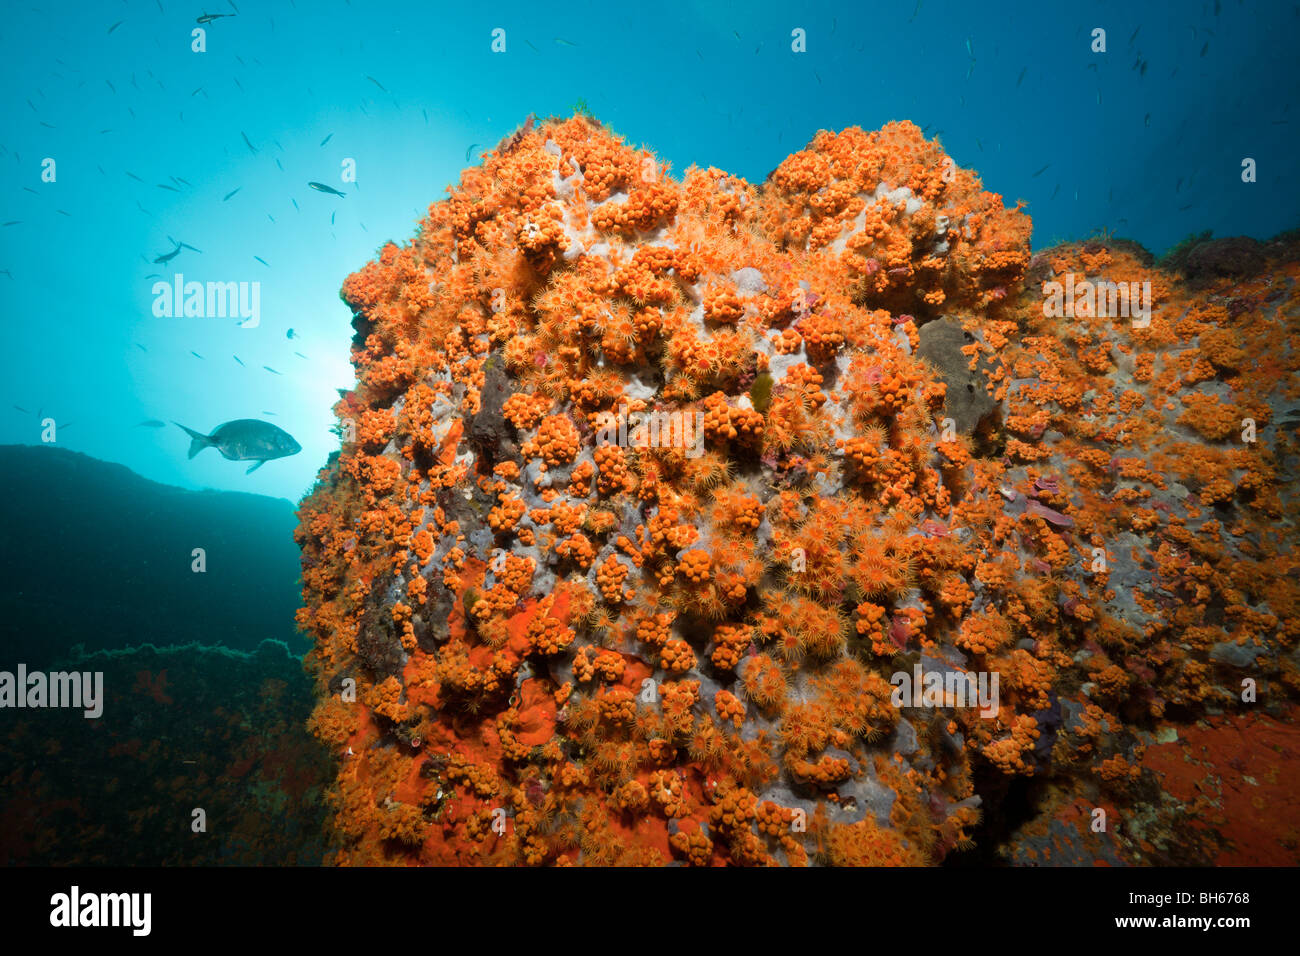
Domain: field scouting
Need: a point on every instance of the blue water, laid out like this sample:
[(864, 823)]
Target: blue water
[(1152, 155)]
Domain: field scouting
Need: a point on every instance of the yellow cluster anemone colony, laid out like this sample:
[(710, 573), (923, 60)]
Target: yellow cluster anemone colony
[(656, 493)]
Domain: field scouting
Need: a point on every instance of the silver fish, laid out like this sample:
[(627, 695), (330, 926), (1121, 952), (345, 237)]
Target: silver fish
[(245, 439)]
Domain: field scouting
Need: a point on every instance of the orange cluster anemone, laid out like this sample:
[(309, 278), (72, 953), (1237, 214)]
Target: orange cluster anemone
[(726, 523)]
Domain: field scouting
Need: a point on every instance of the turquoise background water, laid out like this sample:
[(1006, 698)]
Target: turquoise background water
[(1145, 140)]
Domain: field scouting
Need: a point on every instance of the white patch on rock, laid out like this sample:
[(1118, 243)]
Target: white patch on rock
[(749, 281)]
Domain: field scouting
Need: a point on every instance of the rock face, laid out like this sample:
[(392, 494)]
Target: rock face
[(650, 546), (139, 537), (967, 400), (1235, 256), (176, 722)]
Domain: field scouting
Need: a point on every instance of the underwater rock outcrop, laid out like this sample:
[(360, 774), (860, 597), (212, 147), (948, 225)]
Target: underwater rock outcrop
[(181, 730), (648, 504)]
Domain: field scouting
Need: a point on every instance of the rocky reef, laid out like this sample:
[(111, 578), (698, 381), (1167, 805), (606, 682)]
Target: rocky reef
[(183, 729), (656, 492)]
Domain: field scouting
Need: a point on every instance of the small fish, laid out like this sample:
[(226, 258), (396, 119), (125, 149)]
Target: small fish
[(1178, 185), (169, 256), (979, 144), (376, 82), (14, 222), (472, 147), (300, 355), (245, 439), (141, 347), (195, 354), (332, 215), (970, 51), (327, 139), (116, 25), (135, 177), (236, 358), (1055, 191), (1143, 71), (251, 147), (272, 414), (262, 261), (1041, 171), (151, 423), (322, 188), (291, 334), (111, 86), (23, 410), (295, 204), (534, 49), (1146, 120), (1135, 35), (231, 193), (1022, 76), (277, 163), (271, 370), (209, 17), (563, 42), (1205, 49)]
